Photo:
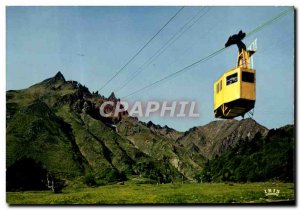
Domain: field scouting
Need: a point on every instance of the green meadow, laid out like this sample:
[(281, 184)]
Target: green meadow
[(134, 193)]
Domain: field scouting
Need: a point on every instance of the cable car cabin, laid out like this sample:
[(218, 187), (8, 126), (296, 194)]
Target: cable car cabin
[(234, 91)]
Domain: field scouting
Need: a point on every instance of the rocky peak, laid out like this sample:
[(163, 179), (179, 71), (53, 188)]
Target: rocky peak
[(165, 131), (150, 124), (53, 80), (59, 76), (112, 96)]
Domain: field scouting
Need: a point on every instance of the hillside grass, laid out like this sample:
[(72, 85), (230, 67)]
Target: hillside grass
[(134, 193)]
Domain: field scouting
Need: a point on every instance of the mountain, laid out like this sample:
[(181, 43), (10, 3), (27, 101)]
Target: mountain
[(54, 129), (262, 159), (215, 137)]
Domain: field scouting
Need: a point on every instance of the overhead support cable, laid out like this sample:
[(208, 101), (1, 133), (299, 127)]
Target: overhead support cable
[(174, 38), (135, 55)]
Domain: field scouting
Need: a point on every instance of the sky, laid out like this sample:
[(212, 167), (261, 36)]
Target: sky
[(90, 44)]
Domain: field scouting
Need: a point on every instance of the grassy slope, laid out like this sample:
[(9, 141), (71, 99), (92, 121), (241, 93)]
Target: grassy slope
[(100, 145), (132, 193), (36, 132)]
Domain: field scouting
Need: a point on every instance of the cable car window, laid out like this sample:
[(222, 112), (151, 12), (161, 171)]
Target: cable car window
[(231, 79), (218, 88), (220, 85), (248, 77)]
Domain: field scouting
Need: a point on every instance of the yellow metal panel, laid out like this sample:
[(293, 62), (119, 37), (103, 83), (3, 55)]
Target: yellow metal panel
[(229, 92), (248, 89), (232, 91)]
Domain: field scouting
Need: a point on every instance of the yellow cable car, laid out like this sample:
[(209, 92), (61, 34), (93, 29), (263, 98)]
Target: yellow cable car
[(234, 91)]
